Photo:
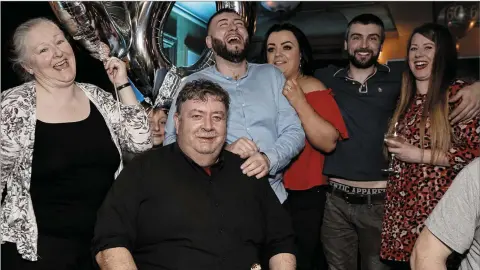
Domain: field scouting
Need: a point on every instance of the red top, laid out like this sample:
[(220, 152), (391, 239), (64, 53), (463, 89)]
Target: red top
[(306, 171), (415, 190)]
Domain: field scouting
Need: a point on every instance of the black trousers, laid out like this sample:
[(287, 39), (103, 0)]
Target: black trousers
[(306, 209), (55, 254)]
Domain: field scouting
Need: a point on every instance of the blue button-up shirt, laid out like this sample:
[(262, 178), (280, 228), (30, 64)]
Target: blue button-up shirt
[(259, 112)]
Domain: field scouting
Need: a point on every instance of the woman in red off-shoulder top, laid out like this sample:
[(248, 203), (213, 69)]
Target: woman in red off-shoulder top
[(287, 48)]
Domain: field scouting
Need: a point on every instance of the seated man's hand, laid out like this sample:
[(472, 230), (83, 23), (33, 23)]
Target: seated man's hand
[(242, 147), (257, 164), (469, 106)]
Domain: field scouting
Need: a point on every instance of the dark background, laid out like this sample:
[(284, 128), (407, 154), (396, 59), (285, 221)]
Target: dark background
[(89, 70)]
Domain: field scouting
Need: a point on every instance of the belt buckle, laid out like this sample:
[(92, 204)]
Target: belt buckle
[(355, 198)]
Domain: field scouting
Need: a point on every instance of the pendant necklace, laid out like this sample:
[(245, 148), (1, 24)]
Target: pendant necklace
[(236, 76)]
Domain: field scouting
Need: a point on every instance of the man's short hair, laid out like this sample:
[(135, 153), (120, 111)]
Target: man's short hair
[(200, 90), (365, 19), (220, 11)]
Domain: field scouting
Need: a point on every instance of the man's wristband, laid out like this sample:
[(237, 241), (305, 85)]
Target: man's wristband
[(123, 86)]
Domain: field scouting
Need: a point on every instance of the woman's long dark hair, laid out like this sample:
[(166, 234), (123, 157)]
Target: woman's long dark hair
[(306, 61), (436, 107)]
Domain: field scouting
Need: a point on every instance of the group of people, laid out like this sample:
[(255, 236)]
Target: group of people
[(273, 165)]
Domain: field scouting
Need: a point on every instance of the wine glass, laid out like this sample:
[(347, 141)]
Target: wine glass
[(395, 137)]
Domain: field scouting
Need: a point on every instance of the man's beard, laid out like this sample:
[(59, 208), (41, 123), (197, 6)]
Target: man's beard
[(370, 62), (220, 48)]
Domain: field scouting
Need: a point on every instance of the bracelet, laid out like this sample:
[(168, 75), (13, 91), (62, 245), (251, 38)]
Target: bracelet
[(123, 86)]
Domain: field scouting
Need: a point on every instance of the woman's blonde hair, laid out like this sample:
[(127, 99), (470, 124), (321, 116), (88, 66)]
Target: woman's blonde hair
[(18, 46), (436, 108)]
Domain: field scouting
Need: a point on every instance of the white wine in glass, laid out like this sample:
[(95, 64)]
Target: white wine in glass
[(395, 137)]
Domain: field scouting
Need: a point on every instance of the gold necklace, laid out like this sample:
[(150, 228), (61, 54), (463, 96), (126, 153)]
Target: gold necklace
[(235, 76)]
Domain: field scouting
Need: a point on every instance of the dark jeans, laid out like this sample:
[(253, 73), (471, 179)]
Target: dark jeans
[(349, 230), (306, 209)]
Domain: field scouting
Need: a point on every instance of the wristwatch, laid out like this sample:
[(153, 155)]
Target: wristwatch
[(125, 85)]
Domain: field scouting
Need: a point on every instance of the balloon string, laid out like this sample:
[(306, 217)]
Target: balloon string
[(118, 108)]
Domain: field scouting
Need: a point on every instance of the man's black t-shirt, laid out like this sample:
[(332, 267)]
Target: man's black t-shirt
[(366, 109)]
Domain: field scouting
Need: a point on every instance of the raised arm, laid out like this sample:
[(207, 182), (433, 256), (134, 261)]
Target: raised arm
[(134, 133), (321, 118), (131, 126)]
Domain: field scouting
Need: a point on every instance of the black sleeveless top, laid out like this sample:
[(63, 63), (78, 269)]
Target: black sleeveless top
[(73, 168)]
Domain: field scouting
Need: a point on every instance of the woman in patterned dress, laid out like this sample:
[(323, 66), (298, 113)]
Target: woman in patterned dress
[(434, 150), (61, 151)]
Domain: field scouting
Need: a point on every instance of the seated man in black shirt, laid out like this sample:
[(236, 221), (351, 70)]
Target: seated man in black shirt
[(188, 205)]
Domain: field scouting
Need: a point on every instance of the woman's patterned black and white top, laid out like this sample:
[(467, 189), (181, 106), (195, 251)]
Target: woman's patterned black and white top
[(130, 132)]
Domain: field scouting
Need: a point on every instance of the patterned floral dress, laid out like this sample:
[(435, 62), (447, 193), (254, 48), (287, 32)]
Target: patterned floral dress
[(414, 192)]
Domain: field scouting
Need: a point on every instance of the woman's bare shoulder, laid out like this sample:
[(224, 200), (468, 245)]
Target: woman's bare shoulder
[(310, 84)]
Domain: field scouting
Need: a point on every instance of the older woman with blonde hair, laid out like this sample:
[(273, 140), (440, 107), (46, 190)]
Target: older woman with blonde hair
[(61, 151)]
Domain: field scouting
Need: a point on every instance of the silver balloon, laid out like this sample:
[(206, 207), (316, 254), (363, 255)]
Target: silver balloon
[(147, 67), (103, 28), (134, 31), (280, 6)]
